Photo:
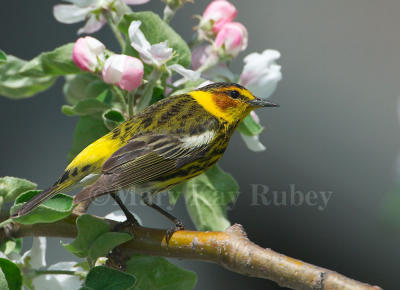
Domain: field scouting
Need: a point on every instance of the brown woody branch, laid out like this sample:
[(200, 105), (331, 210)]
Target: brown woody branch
[(230, 249)]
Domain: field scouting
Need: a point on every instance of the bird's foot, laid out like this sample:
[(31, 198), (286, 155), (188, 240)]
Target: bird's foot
[(178, 227)]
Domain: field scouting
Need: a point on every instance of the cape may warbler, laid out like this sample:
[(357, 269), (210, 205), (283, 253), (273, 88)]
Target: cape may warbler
[(169, 142)]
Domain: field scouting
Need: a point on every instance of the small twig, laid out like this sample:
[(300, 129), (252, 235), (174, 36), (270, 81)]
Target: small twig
[(59, 272), (148, 92), (230, 249)]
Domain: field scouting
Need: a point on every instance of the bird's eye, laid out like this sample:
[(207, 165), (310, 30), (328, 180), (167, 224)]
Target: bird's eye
[(234, 94)]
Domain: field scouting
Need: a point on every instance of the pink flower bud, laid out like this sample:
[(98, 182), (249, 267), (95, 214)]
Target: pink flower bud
[(124, 71), (219, 12), (232, 39), (88, 53)]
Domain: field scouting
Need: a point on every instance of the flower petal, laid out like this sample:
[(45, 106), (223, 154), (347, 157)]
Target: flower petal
[(137, 37), (253, 143), (160, 52), (113, 68), (188, 74), (38, 252), (156, 54), (135, 2), (69, 13), (261, 74), (93, 24), (83, 3)]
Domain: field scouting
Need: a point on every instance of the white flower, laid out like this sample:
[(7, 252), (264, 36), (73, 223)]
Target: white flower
[(36, 256), (156, 54), (35, 259), (80, 10), (253, 142), (261, 74)]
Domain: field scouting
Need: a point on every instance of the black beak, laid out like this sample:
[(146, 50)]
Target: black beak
[(258, 102)]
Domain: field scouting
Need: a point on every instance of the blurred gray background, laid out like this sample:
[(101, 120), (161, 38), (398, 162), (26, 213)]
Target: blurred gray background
[(336, 130)]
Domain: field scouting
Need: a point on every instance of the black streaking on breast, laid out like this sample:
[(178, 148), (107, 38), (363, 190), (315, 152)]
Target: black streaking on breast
[(64, 177), (116, 133), (74, 172), (85, 168)]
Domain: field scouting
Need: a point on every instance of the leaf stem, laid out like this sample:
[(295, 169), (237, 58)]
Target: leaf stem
[(131, 96), (60, 272), (148, 92), (168, 13), (114, 28), (117, 92)]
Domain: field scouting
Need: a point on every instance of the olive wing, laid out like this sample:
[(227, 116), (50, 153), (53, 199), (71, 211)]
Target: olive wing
[(142, 160)]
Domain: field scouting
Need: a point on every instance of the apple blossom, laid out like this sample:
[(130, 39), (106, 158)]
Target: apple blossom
[(261, 74), (231, 39), (88, 53), (216, 15), (124, 71), (156, 54), (81, 10)]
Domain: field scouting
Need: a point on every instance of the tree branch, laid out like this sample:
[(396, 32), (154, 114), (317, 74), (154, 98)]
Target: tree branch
[(230, 249)]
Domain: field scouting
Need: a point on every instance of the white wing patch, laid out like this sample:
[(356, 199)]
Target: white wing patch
[(90, 178), (198, 140)]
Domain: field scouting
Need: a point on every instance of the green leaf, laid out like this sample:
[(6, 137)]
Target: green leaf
[(175, 193), (88, 129), (89, 229), (11, 246), (85, 107), (3, 281), (250, 127), (159, 273), (156, 30), (105, 243), (12, 275), (82, 86), (101, 277), (11, 187), (105, 97), (52, 210), (53, 63), (158, 94), (207, 197), (113, 118), (16, 86), (3, 56)]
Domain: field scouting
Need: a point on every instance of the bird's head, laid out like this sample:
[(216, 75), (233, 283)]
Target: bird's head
[(229, 101)]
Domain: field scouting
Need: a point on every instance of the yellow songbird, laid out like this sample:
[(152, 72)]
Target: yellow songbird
[(166, 144)]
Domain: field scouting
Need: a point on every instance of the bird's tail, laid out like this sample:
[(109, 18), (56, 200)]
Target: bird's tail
[(36, 201)]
